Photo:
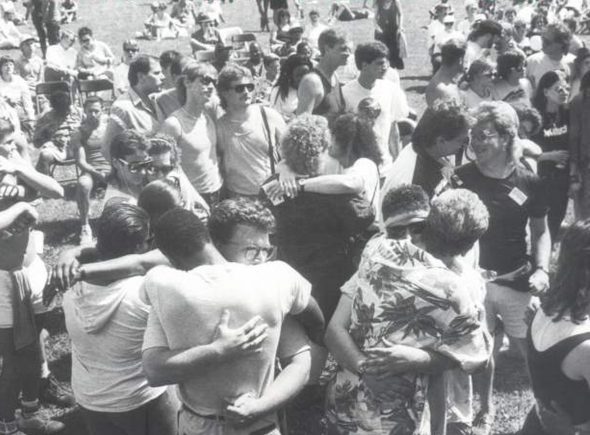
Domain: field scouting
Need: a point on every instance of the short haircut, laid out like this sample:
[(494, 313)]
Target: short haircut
[(283, 13), (83, 31), (231, 73), (446, 119), (452, 51), (93, 99), (141, 64), (159, 196), (192, 72), (179, 234), (304, 142), (509, 61), (122, 229), (330, 38), (477, 67), (314, 12), (486, 27), (404, 199), (456, 221), (369, 52), (561, 34), (168, 57), (127, 143), (269, 58), (228, 214), (162, 143)]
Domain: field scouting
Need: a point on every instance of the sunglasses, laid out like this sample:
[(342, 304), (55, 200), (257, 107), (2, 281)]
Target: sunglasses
[(208, 80), (131, 50), (401, 231), (163, 169), (136, 167), (85, 40), (243, 87)]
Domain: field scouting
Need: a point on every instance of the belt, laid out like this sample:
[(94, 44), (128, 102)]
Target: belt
[(262, 431)]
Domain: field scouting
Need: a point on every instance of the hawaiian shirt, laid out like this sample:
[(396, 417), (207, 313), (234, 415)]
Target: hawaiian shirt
[(402, 295)]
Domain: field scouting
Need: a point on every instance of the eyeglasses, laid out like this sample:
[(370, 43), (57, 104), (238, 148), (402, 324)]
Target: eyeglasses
[(401, 231), (131, 50), (208, 80), (136, 167), (259, 252), (163, 169), (483, 135), (243, 87)]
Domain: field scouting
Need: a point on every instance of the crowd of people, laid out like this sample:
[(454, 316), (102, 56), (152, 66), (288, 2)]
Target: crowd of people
[(283, 239)]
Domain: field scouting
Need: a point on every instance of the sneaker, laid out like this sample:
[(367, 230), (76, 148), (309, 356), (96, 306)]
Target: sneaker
[(35, 425), (86, 236), (50, 391)]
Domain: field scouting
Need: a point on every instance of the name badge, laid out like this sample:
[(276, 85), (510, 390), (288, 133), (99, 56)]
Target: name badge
[(518, 196)]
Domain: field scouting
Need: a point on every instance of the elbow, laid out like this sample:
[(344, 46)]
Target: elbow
[(154, 376)]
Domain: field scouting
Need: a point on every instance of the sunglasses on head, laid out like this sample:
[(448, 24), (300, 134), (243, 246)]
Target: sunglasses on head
[(243, 87), (401, 231), (207, 80)]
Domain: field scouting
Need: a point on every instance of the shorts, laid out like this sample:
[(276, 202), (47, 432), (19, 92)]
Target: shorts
[(37, 275), (508, 304), (190, 423)]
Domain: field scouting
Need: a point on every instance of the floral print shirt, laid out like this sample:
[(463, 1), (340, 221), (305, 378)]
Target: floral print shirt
[(402, 295)]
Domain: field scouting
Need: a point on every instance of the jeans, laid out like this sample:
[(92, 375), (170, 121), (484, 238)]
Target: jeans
[(157, 417)]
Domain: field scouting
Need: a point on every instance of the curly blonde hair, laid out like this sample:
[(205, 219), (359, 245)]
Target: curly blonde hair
[(305, 140)]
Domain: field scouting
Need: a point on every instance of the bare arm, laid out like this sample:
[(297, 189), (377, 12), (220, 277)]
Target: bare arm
[(338, 339), (312, 320), (163, 366), (541, 250), (123, 267), (22, 169), (16, 211), (309, 93), (113, 129), (334, 184)]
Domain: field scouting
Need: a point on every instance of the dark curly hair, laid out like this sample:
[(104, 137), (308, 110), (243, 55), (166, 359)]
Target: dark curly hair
[(446, 119), (355, 138), (456, 221), (569, 294), (127, 143), (161, 143), (229, 213), (285, 80), (159, 196), (403, 199), (304, 142), (122, 229)]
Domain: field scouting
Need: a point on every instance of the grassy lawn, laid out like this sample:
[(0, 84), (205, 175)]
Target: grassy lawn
[(116, 20)]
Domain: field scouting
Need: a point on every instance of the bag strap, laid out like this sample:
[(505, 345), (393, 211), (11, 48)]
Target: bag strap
[(271, 153)]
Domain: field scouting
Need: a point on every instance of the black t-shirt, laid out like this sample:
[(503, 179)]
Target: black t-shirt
[(510, 202), (554, 136)]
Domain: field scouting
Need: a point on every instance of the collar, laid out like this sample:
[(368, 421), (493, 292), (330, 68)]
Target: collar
[(137, 101)]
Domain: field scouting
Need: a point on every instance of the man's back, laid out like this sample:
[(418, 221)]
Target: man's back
[(186, 311)]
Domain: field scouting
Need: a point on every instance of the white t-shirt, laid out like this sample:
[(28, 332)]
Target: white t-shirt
[(471, 99), (539, 63), (401, 172), (186, 311), (393, 105), (106, 325), (57, 55)]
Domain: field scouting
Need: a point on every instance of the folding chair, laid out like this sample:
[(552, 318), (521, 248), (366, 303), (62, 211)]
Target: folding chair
[(226, 34), (87, 87), (48, 88), (205, 56), (64, 164)]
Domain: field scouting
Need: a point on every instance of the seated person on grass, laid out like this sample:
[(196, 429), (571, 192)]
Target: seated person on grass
[(54, 129)]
